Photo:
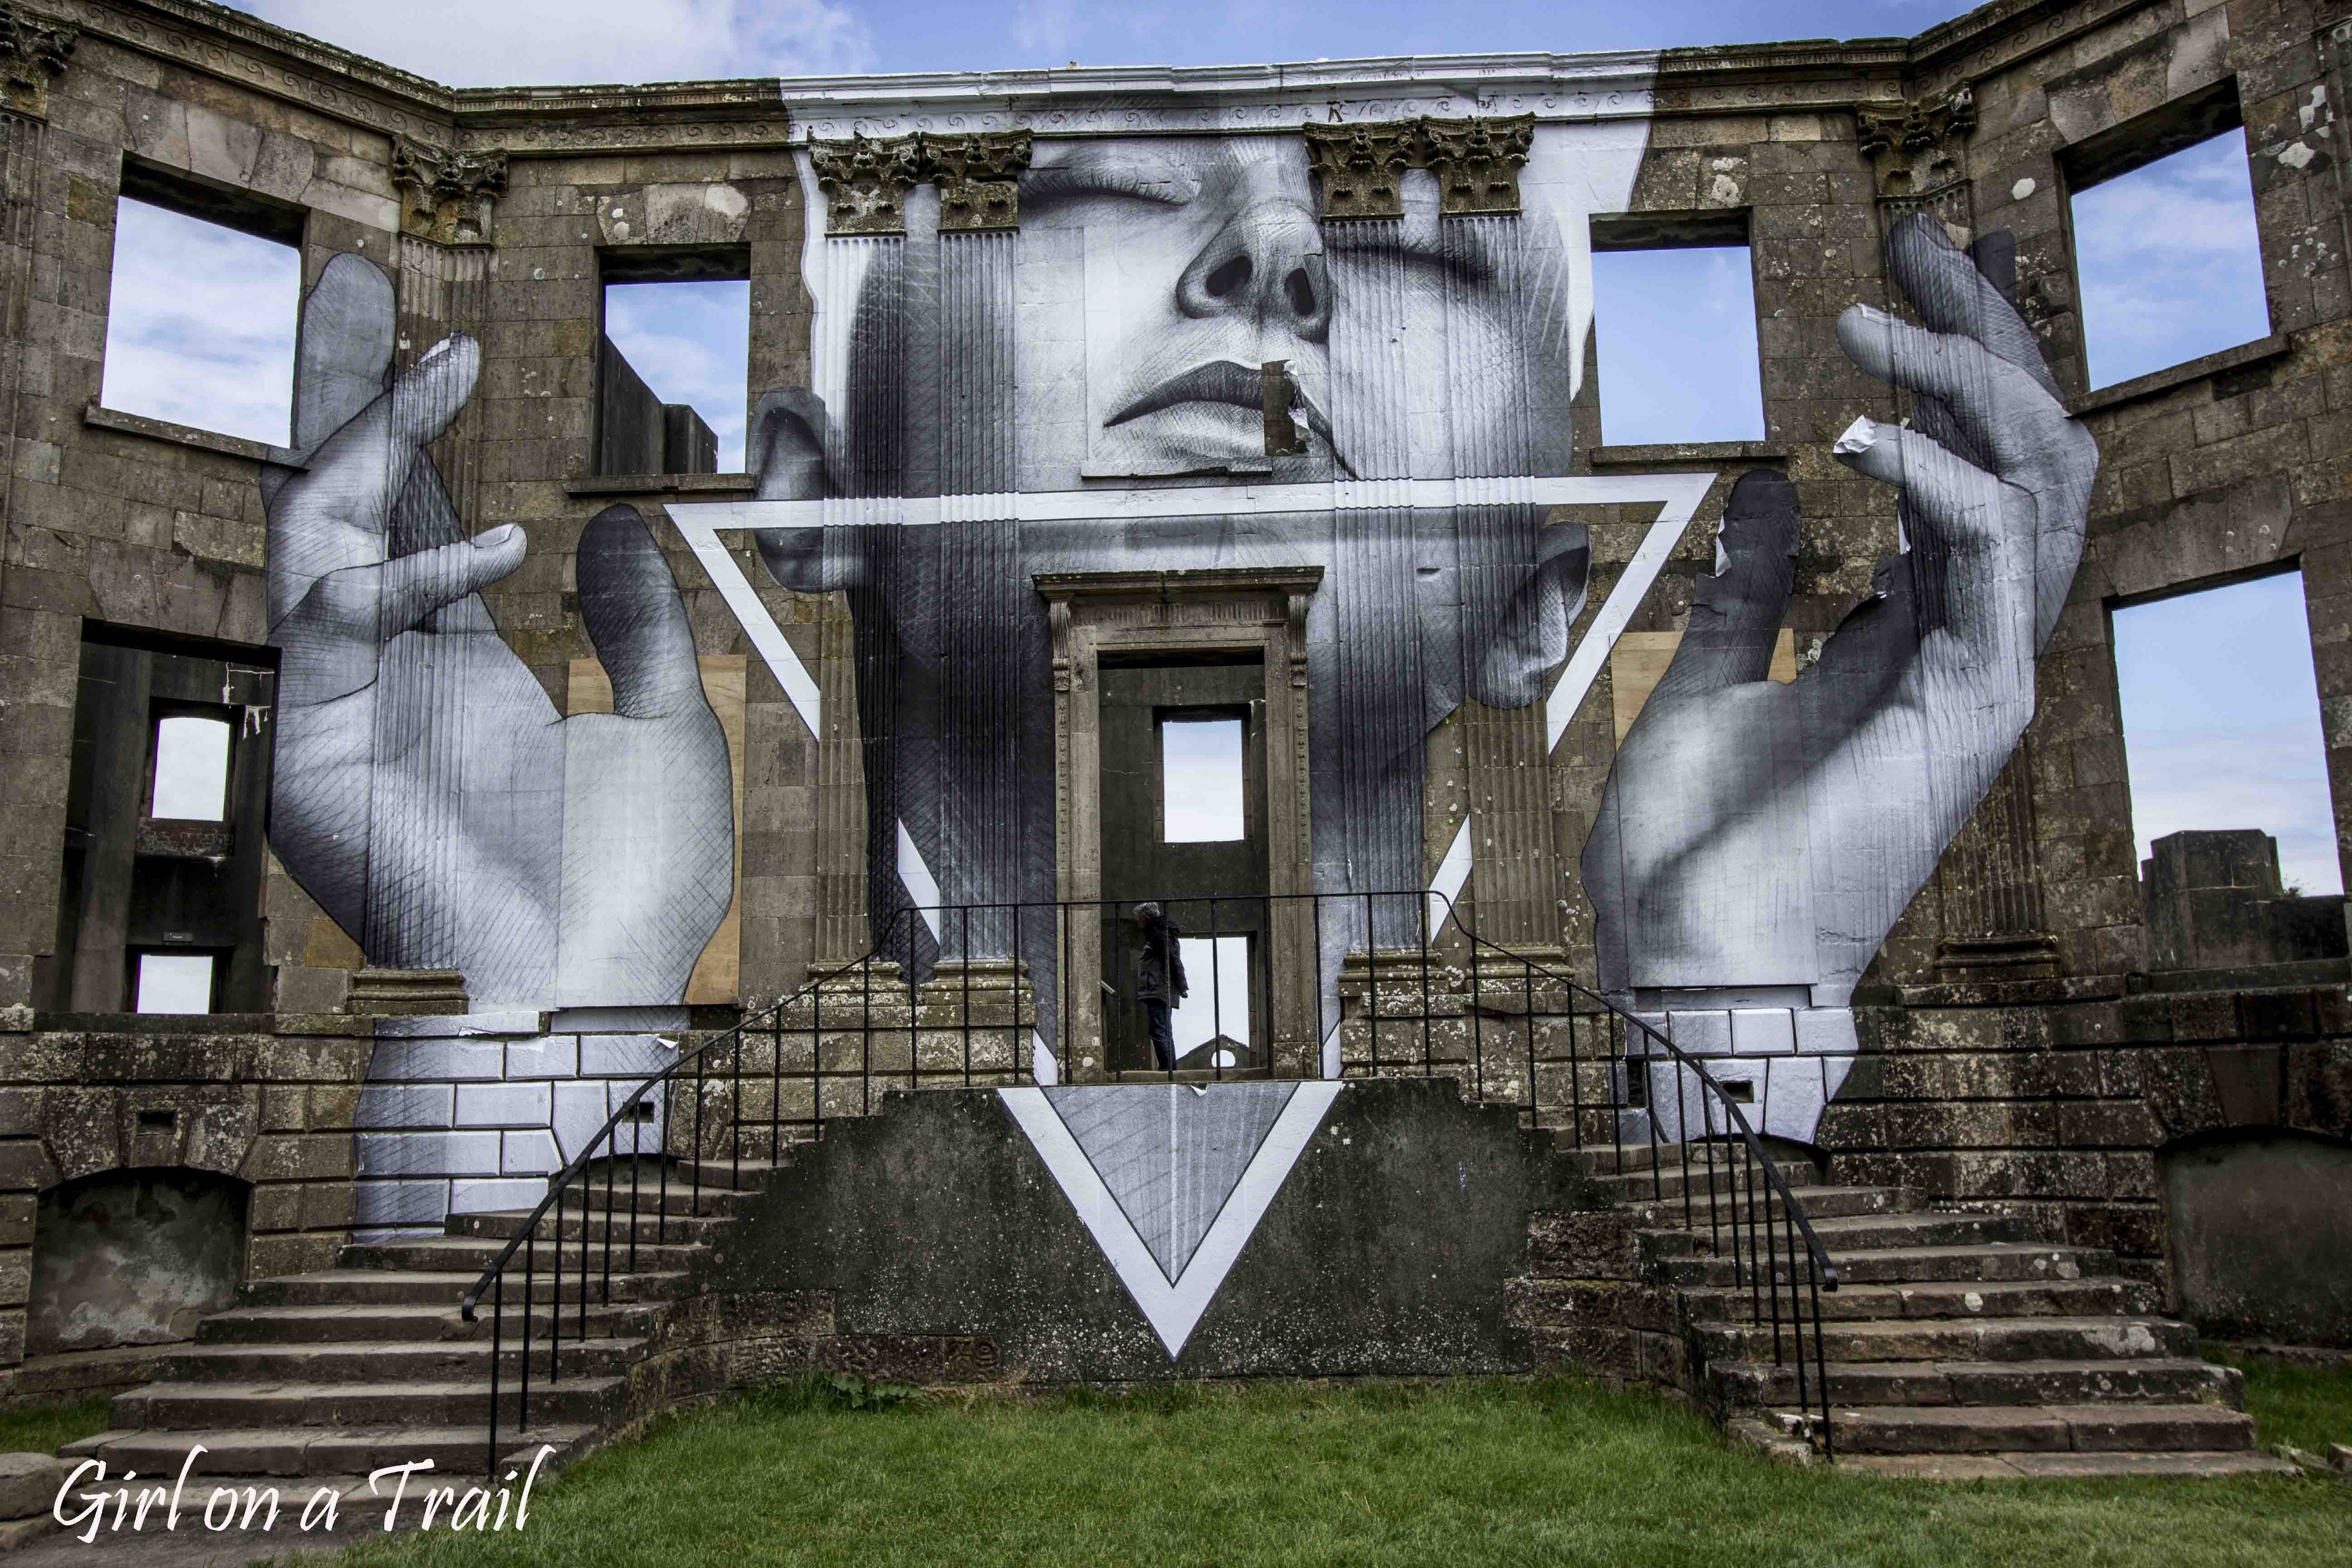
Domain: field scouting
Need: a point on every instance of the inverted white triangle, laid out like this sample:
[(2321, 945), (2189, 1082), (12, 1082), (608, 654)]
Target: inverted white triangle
[(1171, 1309)]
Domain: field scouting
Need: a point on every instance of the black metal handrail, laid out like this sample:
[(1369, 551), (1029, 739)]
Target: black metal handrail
[(1752, 1262), (1746, 1205)]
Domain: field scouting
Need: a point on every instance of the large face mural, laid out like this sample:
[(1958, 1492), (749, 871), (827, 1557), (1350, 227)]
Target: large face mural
[(1082, 395)]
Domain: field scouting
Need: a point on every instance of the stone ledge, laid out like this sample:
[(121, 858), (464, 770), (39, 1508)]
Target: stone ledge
[(2180, 375), (103, 418), (661, 485), (1994, 993), (1689, 452)]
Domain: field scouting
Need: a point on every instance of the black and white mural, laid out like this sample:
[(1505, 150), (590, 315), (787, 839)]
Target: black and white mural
[(1084, 393)]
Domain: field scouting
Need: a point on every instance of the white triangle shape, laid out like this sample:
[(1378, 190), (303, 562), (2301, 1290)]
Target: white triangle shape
[(1171, 1309)]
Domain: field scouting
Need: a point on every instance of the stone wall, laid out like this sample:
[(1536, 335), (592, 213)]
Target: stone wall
[(2050, 1090), (274, 1110)]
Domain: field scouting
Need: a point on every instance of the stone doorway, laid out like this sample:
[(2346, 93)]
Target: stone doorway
[(1183, 815), (1134, 652)]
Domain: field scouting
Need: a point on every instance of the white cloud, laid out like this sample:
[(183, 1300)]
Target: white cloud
[(496, 43), (2170, 262), (200, 325), (692, 343)]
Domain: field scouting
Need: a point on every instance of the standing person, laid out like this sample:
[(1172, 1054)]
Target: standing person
[(1159, 978)]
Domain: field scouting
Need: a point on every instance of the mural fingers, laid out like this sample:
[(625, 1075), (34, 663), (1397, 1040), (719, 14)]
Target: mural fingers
[(630, 608), (785, 445), (1953, 295), (1981, 390), (1954, 497), (350, 324), (414, 586), (1736, 613)]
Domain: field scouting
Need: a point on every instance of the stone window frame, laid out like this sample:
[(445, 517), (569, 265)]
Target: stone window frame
[(2125, 148), (1682, 228), (729, 263), (241, 211)]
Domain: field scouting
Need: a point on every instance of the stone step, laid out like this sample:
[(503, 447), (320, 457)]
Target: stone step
[(2174, 1380), (2120, 1338), (2040, 1429), (321, 1452), (1938, 1298), (442, 1286), (361, 1361), (617, 1226), (412, 1323), (472, 1254), (212, 1406), (1985, 1263), (1875, 1232), (2063, 1467), (1716, 1211), (1614, 1159), (717, 1172)]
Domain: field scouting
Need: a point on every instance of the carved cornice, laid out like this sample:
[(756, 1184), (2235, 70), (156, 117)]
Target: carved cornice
[(447, 196), (1914, 150), (1361, 166), (979, 176), (865, 181), (1476, 162), (33, 49)]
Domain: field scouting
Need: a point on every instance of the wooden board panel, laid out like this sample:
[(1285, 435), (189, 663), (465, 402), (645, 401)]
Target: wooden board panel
[(725, 676)]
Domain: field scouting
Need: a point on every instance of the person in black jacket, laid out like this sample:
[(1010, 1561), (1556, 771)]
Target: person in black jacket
[(1159, 978)]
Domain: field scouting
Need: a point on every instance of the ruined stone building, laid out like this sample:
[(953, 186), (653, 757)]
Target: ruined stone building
[(1095, 416)]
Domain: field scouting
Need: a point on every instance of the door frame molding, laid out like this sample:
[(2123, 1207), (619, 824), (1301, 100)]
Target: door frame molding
[(1224, 610)]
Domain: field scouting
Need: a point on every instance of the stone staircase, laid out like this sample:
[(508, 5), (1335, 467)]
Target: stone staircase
[(1956, 1344), (327, 1377)]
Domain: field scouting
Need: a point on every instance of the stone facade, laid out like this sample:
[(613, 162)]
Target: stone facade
[(2046, 1085)]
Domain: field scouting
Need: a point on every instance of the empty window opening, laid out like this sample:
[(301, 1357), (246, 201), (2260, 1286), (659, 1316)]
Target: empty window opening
[(174, 983), (671, 386), (2169, 260), (1200, 779), (1674, 312), (191, 770), (2222, 732), (165, 849), (1217, 968), (200, 323)]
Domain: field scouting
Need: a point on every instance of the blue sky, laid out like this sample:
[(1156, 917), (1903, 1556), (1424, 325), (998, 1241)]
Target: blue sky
[(2221, 714), (484, 43), (2147, 307)]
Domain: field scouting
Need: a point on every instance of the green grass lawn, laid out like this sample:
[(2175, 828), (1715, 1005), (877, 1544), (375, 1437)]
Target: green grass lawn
[(1562, 1471), (44, 1428), (2293, 1402)]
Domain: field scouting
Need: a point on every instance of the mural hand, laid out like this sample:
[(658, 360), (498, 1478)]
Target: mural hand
[(334, 597)]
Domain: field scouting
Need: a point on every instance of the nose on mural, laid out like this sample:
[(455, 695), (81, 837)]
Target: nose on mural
[(1267, 264)]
